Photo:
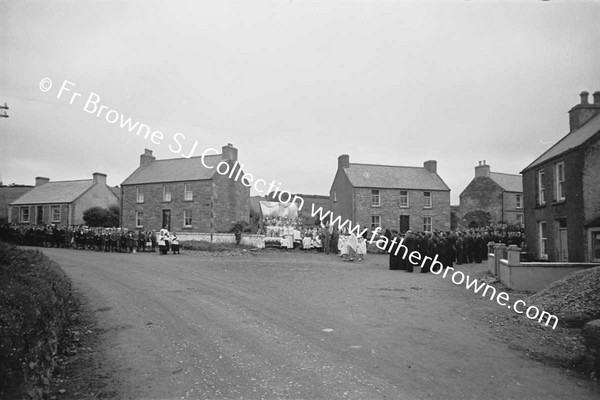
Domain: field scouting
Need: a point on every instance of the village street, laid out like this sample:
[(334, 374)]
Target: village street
[(292, 325)]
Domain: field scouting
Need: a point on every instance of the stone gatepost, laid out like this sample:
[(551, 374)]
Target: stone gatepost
[(514, 256), (499, 252), (491, 258)]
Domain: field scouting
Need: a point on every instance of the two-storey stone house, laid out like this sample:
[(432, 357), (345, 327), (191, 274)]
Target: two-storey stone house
[(391, 197), (562, 191), (496, 195), (184, 194)]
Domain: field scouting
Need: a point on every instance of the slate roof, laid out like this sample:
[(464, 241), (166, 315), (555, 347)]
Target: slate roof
[(569, 142), (394, 177), (508, 182), (116, 191), (55, 192), (174, 170)]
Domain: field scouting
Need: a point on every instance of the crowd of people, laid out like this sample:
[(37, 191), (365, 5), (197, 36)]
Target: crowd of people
[(459, 247), (82, 237), (464, 246)]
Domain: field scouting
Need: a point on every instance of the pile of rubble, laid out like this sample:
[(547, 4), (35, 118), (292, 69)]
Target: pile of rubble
[(575, 299)]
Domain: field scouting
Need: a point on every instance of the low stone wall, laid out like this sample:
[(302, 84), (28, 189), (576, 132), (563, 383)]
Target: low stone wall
[(247, 239), (535, 276)]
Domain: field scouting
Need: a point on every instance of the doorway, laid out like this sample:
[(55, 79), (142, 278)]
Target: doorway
[(166, 219), (39, 219), (404, 223)]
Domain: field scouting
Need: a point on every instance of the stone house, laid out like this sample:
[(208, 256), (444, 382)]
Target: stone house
[(61, 202), (562, 191), (496, 195), (8, 194), (390, 197), (184, 194)]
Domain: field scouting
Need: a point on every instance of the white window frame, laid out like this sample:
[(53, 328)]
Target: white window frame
[(521, 219), (188, 195), (187, 214), (541, 189), (593, 232), (375, 194), (139, 217), (428, 200), (166, 193), (23, 220), (139, 195), (404, 196), (559, 181), (543, 239), (425, 223), (519, 201), (52, 210), (374, 224)]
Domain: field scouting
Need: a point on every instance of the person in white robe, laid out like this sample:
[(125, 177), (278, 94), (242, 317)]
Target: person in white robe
[(351, 247)]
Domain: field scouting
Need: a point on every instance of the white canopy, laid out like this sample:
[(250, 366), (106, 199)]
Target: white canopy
[(276, 209)]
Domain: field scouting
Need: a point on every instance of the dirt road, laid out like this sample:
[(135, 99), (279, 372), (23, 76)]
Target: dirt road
[(291, 326)]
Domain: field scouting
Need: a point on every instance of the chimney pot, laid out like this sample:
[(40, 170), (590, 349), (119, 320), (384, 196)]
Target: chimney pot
[(229, 153), (584, 97), (344, 161), (146, 158), (99, 177), (431, 166), (596, 97), (40, 180)]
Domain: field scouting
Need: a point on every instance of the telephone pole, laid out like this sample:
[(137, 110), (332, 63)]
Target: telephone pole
[(4, 114)]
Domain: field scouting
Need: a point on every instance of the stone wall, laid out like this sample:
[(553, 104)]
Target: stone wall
[(247, 239), (390, 210)]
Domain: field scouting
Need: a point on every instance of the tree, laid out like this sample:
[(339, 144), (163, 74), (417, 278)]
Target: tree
[(101, 217)]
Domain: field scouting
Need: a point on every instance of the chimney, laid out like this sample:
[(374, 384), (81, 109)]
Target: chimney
[(146, 158), (40, 180), (99, 178), (431, 166), (482, 169), (344, 161), (229, 153), (582, 112)]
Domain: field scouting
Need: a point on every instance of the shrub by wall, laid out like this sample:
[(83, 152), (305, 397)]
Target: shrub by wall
[(35, 299)]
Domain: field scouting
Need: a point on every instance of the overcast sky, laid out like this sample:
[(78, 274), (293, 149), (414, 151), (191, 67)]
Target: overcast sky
[(293, 84)]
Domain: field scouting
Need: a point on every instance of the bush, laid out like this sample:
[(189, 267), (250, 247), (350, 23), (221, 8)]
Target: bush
[(35, 298), (102, 217)]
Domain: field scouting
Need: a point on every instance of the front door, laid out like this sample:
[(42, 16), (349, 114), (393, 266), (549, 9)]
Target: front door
[(166, 220), (563, 247), (40, 215), (404, 223)]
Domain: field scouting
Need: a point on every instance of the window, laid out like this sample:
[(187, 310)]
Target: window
[(375, 222), (187, 218), (334, 196), (140, 195), (543, 240), (519, 201), (55, 212), (188, 194), (139, 219), (25, 214), (166, 193), (404, 198), (541, 188), (427, 200), (427, 224), (521, 219), (595, 245), (375, 200), (559, 181)]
